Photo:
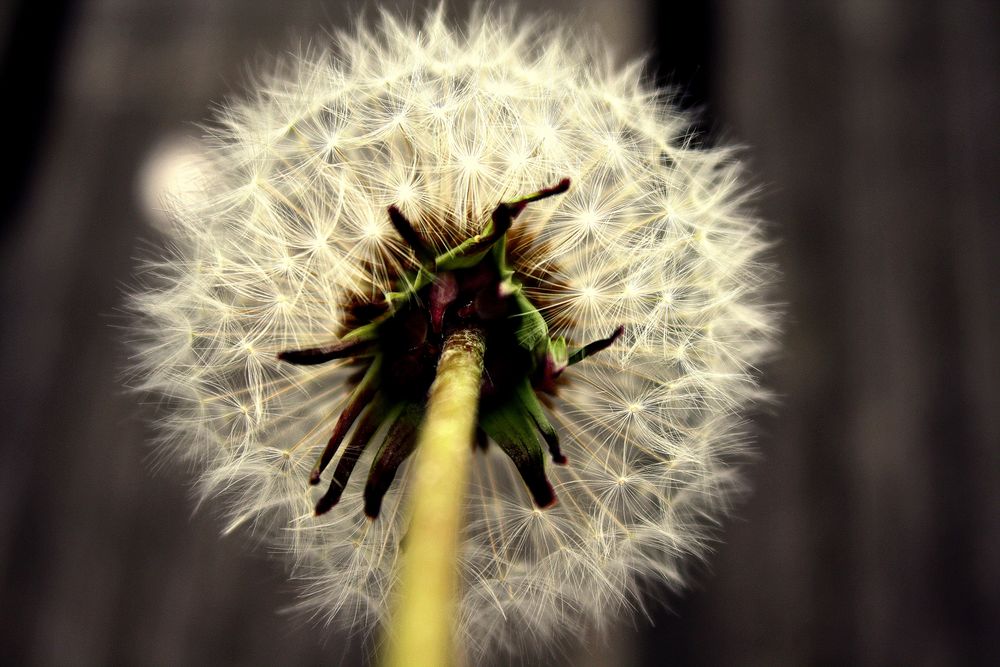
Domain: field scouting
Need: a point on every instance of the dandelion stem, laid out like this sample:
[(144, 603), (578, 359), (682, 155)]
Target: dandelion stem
[(429, 584)]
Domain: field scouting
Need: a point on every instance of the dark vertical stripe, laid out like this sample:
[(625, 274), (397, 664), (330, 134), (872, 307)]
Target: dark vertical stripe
[(29, 69), (684, 54)]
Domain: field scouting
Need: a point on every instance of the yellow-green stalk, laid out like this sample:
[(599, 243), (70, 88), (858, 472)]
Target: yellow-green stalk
[(428, 591)]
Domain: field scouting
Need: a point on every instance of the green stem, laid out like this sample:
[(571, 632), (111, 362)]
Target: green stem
[(423, 620)]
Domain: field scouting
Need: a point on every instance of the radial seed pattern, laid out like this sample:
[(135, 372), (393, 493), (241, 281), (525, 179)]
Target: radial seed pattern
[(291, 224)]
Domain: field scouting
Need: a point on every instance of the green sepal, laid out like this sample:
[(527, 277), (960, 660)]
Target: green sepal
[(472, 251), (531, 406), (356, 402), (412, 284), (399, 443), (532, 331), (558, 352), (395, 300), (513, 431), (406, 231), (505, 270), (466, 254), (367, 332), (343, 349), (590, 349), (378, 413)]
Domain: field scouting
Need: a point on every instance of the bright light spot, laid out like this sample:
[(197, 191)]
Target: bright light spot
[(471, 164), (406, 192), (175, 169), (331, 142), (372, 230)]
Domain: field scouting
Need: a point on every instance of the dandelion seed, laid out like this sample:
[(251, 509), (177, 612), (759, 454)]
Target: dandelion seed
[(367, 200)]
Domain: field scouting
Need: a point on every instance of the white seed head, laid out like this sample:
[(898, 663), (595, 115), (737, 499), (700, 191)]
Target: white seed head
[(288, 223)]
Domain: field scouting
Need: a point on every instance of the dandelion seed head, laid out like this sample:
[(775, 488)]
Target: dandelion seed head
[(286, 226)]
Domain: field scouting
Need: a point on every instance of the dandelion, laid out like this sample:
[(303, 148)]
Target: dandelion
[(371, 204)]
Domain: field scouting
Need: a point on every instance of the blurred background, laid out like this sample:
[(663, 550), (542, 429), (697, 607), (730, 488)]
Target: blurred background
[(873, 533)]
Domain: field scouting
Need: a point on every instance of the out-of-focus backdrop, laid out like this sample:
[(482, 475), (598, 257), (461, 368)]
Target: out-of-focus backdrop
[(873, 533)]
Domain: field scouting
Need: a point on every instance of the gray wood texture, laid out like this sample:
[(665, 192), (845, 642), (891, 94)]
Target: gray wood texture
[(873, 534)]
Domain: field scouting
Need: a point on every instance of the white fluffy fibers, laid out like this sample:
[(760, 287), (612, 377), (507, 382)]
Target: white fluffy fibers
[(289, 225)]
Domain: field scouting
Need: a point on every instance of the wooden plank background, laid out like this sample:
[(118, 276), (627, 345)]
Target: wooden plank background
[(873, 535)]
